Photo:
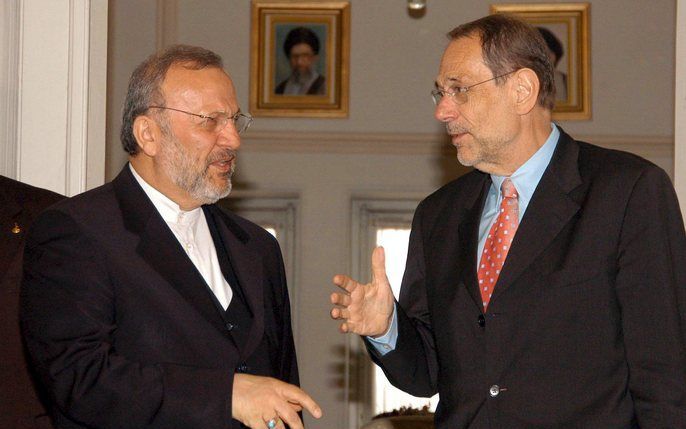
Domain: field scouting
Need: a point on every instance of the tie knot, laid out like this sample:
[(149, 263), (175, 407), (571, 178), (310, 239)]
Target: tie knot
[(508, 189)]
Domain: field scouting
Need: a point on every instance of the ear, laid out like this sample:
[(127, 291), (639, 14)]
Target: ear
[(148, 134), (526, 87)]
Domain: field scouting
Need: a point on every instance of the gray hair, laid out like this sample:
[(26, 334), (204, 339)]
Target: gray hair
[(510, 44), (146, 80)]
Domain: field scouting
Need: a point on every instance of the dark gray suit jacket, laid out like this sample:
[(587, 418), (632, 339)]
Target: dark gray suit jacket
[(20, 405), (586, 325), (123, 329)]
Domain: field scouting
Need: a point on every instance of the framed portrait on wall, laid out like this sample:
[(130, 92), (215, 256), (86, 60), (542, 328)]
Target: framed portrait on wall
[(299, 58), (565, 29)]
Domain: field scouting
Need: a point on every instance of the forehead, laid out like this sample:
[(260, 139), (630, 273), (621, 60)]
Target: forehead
[(301, 48), (205, 88), (462, 62)]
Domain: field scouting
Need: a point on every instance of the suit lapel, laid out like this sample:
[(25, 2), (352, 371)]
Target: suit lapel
[(247, 265), (161, 250), (469, 242), (550, 209)]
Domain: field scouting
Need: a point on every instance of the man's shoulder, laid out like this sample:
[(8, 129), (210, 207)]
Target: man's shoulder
[(600, 163), (589, 151), (318, 87), (280, 87), (93, 210), (98, 199), (30, 198)]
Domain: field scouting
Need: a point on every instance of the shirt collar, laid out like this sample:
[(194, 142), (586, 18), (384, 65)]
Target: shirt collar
[(527, 176), (168, 209)]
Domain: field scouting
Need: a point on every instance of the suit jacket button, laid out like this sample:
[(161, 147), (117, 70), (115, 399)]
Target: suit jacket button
[(242, 368), (481, 320), (230, 326), (494, 390)]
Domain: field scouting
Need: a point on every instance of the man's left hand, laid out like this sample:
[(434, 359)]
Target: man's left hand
[(257, 400)]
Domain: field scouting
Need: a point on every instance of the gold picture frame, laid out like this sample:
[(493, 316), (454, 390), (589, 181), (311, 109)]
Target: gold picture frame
[(565, 27), (287, 77)]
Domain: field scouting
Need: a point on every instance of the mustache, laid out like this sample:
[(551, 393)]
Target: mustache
[(454, 128), (222, 155)]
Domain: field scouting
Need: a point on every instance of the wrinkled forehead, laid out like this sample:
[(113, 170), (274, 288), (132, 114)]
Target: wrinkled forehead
[(302, 48), (181, 75), (206, 84), (462, 62)]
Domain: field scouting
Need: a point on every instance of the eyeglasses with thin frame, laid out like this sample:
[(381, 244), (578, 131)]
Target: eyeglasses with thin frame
[(459, 93), (217, 122)]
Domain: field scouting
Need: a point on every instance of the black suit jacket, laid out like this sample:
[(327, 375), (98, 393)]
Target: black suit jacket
[(123, 329), (317, 87), (20, 405), (585, 328)]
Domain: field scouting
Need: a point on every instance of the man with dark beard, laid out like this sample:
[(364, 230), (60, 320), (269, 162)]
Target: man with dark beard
[(302, 49), (145, 305)]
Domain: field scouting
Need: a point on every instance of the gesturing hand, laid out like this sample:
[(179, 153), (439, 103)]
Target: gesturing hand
[(257, 400), (364, 309)]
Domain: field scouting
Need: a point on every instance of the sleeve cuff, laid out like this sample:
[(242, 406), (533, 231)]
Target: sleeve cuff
[(386, 343)]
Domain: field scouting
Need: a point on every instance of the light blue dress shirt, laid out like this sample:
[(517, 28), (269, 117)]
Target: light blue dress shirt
[(525, 180)]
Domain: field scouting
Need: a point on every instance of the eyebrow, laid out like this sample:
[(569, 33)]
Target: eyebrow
[(224, 112), (451, 81)]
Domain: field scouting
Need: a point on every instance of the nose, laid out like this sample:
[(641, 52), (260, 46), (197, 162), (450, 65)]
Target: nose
[(229, 137), (302, 61), (446, 110)]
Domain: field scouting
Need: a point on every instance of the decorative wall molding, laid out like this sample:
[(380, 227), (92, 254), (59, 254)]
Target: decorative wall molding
[(60, 94), (77, 97), (85, 166), (419, 144), (97, 94), (353, 143)]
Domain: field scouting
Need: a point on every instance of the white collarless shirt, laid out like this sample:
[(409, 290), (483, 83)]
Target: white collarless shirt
[(191, 230)]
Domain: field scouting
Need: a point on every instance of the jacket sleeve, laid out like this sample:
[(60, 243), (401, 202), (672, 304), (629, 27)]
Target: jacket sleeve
[(651, 287), (68, 319), (412, 366), (288, 362)]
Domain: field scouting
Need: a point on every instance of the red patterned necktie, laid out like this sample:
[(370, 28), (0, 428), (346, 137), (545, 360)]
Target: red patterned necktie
[(498, 241)]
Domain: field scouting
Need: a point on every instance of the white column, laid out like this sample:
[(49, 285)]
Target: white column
[(680, 106), (60, 58), (9, 85)]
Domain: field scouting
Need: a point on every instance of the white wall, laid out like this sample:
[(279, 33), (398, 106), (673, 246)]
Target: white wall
[(53, 80), (390, 145), (394, 59)]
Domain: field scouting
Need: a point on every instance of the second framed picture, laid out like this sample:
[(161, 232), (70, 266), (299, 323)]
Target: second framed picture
[(299, 59), (565, 29)]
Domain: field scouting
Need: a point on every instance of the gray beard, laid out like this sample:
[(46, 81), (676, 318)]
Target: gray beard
[(303, 77), (192, 178)]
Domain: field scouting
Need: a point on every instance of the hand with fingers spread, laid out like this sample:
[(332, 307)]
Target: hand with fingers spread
[(268, 403), (364, 309)]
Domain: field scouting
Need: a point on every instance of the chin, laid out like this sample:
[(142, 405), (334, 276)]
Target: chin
[(465, 158), (465, 162), (219, 192), (212, 192)]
